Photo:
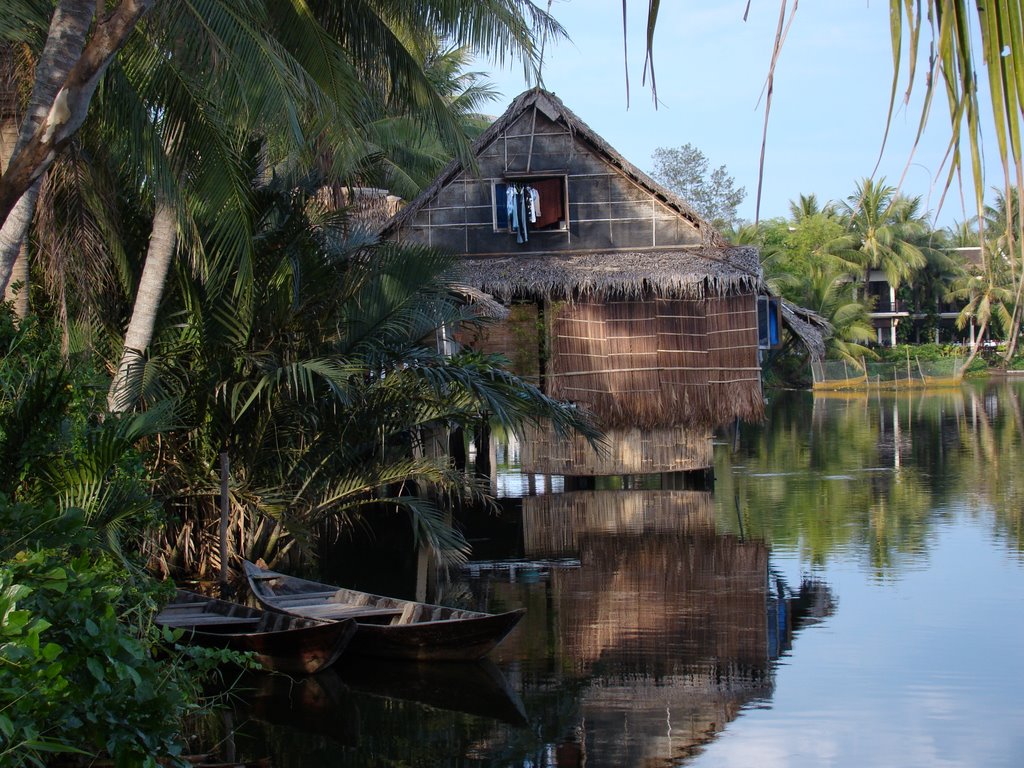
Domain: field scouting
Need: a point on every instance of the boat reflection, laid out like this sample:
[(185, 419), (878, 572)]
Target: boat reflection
[(474, 688), (647, 632), (329, 704)]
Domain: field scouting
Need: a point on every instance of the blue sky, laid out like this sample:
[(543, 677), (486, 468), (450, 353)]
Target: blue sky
[(829, 105)]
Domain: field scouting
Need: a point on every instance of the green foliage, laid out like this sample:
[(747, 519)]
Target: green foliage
[(927, 352), (76, 661), (54, 446), (316, 368), (82, 669), (712, 192)]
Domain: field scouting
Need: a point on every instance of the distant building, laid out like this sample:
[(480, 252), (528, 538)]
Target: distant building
[(888, 313)]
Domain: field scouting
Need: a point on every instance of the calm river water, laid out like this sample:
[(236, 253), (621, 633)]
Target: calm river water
[(850, 594)]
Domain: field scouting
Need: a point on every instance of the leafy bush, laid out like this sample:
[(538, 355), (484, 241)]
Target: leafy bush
[(83, 670)]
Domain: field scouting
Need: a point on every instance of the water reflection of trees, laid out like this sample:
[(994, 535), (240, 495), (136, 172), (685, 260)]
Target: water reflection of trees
[(874, 473)]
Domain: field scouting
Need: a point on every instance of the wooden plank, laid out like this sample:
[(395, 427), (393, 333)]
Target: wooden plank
[(342, 611), (204, 619), (304, 597)]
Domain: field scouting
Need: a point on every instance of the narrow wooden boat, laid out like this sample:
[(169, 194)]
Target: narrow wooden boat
[(279, 642), (388, 627)]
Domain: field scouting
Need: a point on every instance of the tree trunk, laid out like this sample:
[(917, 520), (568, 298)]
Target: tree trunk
[(66, 78), (69, 26), (976, 347), (9, 119), (17, 287), (1018, 309), (162, 243)]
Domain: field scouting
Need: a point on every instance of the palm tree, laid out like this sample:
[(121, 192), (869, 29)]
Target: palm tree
[(323, 53), (318, 384), (12, 66), (809, 266), (403, 152), (827, 293), (962, 234), (1003, 224), (986, 300), (887, 229), (952, 69), (75, 56), (806, 206)]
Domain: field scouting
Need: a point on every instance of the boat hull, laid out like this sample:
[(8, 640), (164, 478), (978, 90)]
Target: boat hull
[(388, 627), (278, 642), (456, 640)]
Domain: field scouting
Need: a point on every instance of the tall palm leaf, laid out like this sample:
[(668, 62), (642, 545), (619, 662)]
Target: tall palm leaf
[(886, 228), (318, 384)]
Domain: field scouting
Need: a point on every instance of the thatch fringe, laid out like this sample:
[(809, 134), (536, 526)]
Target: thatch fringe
[(692, 273), (482, 303), (811, 328)]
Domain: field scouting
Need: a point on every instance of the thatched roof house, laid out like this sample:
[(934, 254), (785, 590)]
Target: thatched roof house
[(623, 299)]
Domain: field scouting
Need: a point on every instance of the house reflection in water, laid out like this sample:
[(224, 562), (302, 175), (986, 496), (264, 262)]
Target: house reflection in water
[(662, 628)]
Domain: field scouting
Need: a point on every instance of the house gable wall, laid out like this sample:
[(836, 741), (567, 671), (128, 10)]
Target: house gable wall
[(607, 210)]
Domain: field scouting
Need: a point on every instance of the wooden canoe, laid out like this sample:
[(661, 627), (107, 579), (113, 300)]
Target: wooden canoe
[(279, 642), (388, 626)]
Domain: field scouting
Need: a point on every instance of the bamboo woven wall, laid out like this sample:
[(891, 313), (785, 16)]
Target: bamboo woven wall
[(734, 375), (629, 452), (657, 362), (517, 338)]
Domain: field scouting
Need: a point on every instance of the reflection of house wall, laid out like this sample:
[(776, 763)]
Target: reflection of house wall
[(627, 451), (665, 621)]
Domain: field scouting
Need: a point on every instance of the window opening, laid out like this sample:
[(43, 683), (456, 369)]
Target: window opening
[(523, 206), (769, 322)]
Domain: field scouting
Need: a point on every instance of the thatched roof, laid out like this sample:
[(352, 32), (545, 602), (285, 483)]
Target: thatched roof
[(483, 303), (682, 273), (552, 107), (368, 207), (811, 328)]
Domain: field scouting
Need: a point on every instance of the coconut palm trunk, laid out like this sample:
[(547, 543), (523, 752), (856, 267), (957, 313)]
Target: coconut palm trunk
[(1018, 310), (75, 57), (162, 244), (9, 112), (69, 26), (976, 347)]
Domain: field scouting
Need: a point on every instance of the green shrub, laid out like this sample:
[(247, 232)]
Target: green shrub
[(83, 670)]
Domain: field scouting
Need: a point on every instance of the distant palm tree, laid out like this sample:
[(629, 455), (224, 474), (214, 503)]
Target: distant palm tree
[(806, 206), (986, 300), (888, 229), (827, 292)]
